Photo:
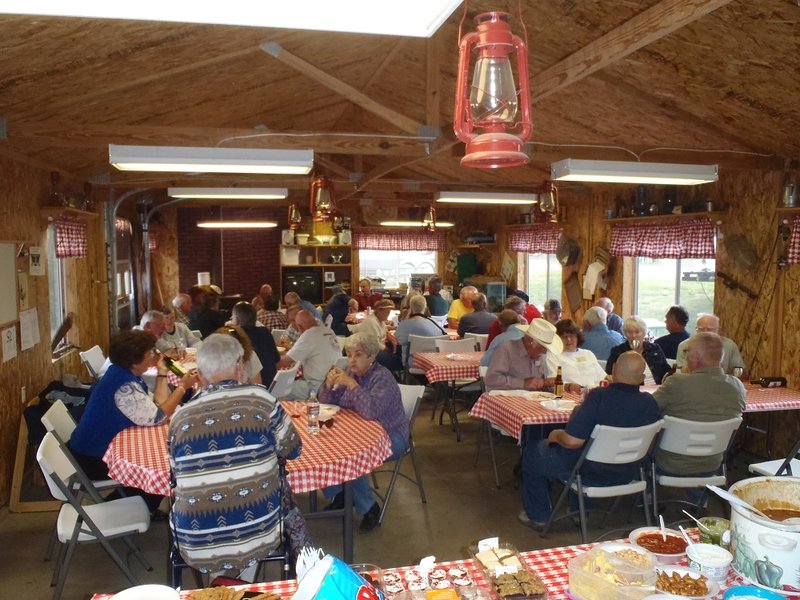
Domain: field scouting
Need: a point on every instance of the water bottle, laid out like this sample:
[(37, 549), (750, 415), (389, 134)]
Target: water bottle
[(312, 411)]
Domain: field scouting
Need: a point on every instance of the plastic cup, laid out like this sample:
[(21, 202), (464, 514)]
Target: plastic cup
[(711, 560)]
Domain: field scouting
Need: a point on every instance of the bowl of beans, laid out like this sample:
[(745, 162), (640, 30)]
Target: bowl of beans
[(668, 549)]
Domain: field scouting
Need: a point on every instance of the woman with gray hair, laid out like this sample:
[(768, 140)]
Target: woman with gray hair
[(634, 329), (416, 324), (369, 389)]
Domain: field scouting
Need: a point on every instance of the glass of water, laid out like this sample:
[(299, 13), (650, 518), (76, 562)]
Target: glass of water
[(738, 372)]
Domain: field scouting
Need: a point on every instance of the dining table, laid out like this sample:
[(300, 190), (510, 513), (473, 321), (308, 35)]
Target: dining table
[(550, 565), (351, 447)]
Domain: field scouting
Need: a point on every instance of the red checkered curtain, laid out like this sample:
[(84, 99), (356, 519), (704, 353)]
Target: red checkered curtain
[(683, 239), (538, 239), (378, 238), (71, 239), (793, 249)]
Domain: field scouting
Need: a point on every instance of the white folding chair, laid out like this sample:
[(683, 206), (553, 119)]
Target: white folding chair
[(482, 339), (93, 360), (611, 446), (786, 466), (277, 334), (458, 385), (282, 384), (454, 346), (489, 428), (78, 523), (695, 439), (412, 396), (328, 321)]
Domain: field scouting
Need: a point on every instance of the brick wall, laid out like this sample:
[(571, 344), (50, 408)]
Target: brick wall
[(239, 261)]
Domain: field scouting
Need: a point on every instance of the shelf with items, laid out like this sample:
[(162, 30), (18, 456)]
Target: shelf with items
[(53, 212), (713, 214), (328, 264), (788, 210)]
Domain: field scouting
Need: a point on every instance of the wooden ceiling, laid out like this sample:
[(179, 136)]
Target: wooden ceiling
[(711, 81)]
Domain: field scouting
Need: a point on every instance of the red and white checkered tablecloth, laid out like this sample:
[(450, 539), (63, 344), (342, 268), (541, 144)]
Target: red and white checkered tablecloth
[(761, 399), (438, 367), (511, 413), (138, 457)]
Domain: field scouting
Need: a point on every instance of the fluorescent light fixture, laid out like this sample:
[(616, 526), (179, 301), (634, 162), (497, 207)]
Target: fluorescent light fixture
[(236, 224), (232, 193), (187, 159), (417, 18), (414, 224), (612, 171), (485, 198)]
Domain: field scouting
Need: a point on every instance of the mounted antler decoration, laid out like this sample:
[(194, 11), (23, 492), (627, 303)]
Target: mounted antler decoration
[(732, 284)]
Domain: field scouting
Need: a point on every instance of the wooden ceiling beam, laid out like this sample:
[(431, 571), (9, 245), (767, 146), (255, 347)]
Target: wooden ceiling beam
[(82, 136), (340, 87), (332, 166), (433, 77), (645, 28)]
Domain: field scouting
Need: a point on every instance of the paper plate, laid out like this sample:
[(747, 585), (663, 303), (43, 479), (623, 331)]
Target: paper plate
[(458, 357), (559, 405), (326, 411), (713, 586), (148, 592)]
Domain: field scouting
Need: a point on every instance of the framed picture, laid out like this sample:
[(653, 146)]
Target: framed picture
[(330, 277)]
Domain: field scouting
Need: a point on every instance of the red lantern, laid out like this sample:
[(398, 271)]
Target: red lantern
[(492, 102), (321, 201)]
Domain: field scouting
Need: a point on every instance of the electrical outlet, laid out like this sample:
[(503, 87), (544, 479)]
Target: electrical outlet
[(23, 392)]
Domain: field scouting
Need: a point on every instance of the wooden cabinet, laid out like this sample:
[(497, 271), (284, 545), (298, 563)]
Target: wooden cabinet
[(320, 265)]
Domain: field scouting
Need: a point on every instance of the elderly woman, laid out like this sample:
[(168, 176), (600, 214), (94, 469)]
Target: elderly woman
[(121, 399), (375, 326), (634, 329), (579, 368), (369, 389), (176, 335), (416, 324)]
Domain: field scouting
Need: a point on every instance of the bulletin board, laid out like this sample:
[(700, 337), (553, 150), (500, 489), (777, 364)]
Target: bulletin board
[(8, 283)]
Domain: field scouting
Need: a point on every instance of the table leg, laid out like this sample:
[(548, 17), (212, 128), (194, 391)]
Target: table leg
[(347, 523)]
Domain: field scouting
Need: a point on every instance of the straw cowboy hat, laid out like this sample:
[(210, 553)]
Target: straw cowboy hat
[(544, 333)]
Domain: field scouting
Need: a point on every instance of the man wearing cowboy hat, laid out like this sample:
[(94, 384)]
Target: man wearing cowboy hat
[(520, 364)]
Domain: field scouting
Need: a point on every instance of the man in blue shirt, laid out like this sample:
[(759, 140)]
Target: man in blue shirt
[(596, 335), (676, 319), (619, 405)]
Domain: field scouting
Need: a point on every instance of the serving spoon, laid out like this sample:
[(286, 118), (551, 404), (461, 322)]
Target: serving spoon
[(702, 526), (735, 500)]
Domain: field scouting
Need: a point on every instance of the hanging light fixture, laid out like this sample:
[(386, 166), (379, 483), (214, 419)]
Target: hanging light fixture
[(321, 199), (548, 200), (295, 218), (429, 219), (492, 102)]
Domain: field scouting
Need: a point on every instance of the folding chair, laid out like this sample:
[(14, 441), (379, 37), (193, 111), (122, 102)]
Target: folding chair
[(93, 360), (282, 384), (481, 338), (696, 439), (328, 321), (788, 466), (412, 396), (458, 385), (421, 343), (78, 524), (611, 446)]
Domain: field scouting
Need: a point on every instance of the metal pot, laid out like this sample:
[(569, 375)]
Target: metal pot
[(767, 552)]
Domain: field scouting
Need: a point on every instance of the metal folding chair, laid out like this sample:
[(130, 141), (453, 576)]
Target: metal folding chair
[(282, 384), (787, 466), (93, 360)]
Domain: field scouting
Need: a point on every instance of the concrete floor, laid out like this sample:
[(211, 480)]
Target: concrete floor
[(463, 506)]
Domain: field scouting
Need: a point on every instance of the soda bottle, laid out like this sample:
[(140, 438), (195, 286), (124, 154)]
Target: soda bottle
[(312, 412), (559, 385)]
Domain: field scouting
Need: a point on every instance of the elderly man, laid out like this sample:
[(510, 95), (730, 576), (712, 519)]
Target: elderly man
[(292, 332), (182, 303), (264, 292), (234, 486), (520, 364), (613, 321), (244, 315), (317, 349), (506, 324), (478, 321), (437, 305), (676, 319), (365, 297), (621, 404), (703, 392), (176, 335), (416, 324), (153, 321), (270, 316), (519, 306), (597, 337), (731, 357), (552, 311), (293, 299), (375, 326), (461, 306)]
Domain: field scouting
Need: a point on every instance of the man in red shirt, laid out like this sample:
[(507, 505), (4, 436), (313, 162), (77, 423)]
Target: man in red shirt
[(366, 297)]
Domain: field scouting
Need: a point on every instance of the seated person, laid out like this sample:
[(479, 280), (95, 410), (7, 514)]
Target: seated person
[(270, 317), (176, 336), (596, 335), (375, 326), (260, 299), (702, 392), (675, 320), (251, 433), (293, 299), (514, 303), (292, 333), (244, 315), (508, 320), (437, 305), (621, 404), (416, 324), (369, 389), (479, 320), (731, 357), (634, 329), (521, 364), (207, 318), (252, 364), (317, 349), (121, 400), (338, 307), (461, 306), (365, 297), (552, 311), (579, 368)]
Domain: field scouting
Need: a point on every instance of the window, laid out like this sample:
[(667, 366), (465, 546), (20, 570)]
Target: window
[(544, 278), (56, 280), (662, 282), (395, 266)]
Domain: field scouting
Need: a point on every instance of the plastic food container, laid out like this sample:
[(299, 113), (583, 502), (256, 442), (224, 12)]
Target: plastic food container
[(301, 238), (751, 592), (713, 531), (507, 575), (607, 572), (712, 587), (663, 558), (712, 561)]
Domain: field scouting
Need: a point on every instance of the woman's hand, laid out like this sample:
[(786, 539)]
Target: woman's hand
[(337, 378)]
